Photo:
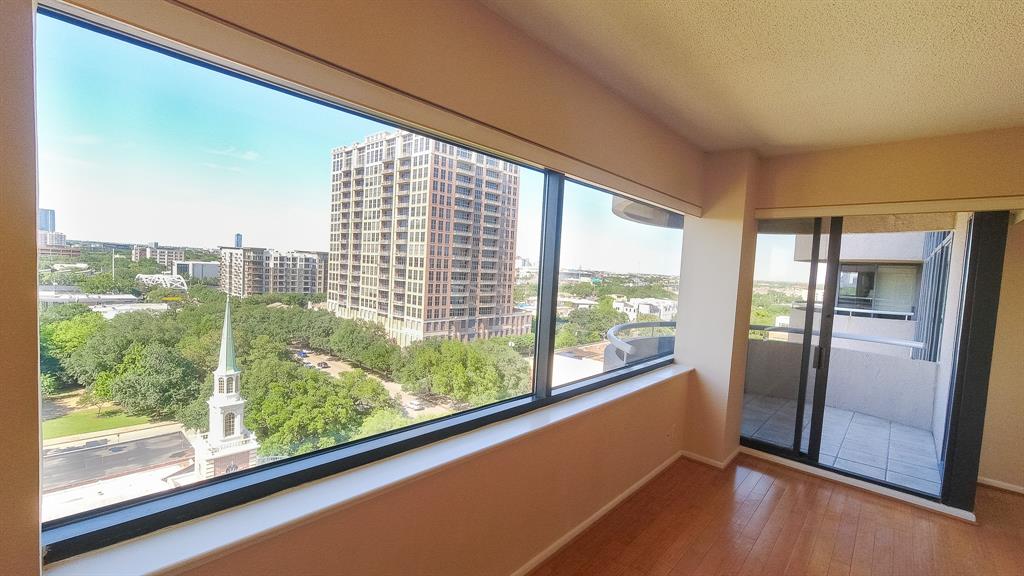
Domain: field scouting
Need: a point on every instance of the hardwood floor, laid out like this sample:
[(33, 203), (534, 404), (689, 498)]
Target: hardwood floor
[(759, 518)]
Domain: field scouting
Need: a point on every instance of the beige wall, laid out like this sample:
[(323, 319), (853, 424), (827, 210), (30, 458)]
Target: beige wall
[(962, 166), (1002, 449), (458, 56), (19, 363), (714, 305), (488, 514)]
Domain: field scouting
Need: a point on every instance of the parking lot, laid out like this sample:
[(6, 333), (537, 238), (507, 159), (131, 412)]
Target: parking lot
[(336, 366)]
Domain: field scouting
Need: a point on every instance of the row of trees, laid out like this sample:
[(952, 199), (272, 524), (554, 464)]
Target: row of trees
[(159, 365), (628, 285)]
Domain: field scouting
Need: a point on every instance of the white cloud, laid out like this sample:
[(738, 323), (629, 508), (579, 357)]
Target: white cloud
[(232, 152), (215, 166)]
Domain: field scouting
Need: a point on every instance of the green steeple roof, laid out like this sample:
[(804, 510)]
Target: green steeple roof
[(227, 362)]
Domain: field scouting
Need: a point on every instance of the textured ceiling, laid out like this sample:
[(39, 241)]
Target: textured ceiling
[(782, 76)]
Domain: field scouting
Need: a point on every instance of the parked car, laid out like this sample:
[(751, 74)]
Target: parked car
[(415, 404), (308, 365), (301, 354), (323, 365)]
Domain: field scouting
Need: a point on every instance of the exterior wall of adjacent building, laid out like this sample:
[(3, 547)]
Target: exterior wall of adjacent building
[(196, 269), (423, 237)]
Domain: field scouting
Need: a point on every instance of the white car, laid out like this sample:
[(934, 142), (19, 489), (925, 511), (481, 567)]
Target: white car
[(415, 404)]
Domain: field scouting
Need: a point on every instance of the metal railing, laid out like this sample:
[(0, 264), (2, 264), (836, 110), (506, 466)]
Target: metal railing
[(628, 349), (912, 344)]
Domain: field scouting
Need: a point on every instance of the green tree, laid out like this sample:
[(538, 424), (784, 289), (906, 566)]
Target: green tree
[(386, 420), (154, 380), (48, 384), (588, 325), (65, 337)]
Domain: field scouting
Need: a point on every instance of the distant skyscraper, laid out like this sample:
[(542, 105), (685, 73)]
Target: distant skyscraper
[(238, 240), (423, 239), (47, 220)]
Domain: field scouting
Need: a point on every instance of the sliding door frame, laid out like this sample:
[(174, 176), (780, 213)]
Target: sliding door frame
[(805, 353), (976, 322), (823, 351)]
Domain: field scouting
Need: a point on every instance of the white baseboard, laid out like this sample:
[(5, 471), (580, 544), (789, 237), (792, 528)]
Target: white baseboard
[(868, 486), (1001, 485), (720, 464), (579, 528)]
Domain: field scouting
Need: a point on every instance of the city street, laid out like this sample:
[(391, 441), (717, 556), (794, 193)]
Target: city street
[(69, 468)]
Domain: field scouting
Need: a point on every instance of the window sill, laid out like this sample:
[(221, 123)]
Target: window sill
[(187, 543)]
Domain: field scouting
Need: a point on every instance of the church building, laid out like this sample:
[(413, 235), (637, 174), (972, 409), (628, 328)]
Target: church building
[(228, 446)]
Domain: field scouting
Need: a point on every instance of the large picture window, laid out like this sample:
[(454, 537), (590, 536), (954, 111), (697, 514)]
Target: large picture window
[(235, 278)]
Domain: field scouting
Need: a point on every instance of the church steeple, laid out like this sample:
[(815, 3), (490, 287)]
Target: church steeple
[(228, 445), (227, 363)]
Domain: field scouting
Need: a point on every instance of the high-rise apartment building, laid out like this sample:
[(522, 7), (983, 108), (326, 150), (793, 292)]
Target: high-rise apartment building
[(47, 221), (238, 240), (247, 271), (165, 255), (423, 238)]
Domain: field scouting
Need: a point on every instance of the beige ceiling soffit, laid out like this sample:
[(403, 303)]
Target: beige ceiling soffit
[(203, 37), (923, 206), (789, 76)]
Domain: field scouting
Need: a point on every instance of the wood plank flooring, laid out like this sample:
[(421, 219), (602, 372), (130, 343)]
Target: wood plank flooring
[(759, 518)]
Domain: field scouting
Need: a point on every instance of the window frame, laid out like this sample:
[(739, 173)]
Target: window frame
[(75, 534)]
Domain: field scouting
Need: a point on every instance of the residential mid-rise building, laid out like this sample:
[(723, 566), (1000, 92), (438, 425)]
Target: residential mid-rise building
[(51, 238), (165, 255), (423, 238), (47, 220), (49, 243), (246, 271), (195, 269), (663, 309)]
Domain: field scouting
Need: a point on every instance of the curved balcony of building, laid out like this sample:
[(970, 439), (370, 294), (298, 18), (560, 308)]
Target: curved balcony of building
[(635, 341)]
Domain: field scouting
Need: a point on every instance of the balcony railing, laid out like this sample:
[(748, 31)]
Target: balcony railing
[(624, 349)]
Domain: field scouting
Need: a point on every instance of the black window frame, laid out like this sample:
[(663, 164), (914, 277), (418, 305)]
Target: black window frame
[(75, 534)]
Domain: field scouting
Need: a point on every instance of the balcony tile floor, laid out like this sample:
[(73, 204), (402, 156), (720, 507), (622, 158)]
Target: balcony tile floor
[(851, 441)]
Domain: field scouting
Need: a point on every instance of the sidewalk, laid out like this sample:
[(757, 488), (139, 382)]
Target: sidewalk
[(107, 437)]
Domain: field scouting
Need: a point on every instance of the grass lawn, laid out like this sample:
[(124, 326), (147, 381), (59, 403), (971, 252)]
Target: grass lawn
[(89, 420)]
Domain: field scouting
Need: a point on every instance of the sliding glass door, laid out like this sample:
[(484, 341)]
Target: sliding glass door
[(784, 337), (852, 344)]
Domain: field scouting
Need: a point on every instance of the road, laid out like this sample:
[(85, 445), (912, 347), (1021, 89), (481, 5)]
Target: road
[(64, 469)]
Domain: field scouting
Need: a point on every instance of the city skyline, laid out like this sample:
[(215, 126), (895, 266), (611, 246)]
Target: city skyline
[(123, 126)]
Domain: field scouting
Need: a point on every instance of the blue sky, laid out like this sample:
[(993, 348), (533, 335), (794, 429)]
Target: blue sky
[(136, 146)]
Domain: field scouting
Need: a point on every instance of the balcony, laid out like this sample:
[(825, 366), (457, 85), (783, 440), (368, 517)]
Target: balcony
[(878, 419), (636, 341)]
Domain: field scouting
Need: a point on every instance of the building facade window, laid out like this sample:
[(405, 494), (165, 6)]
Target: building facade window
[(229, 424)]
